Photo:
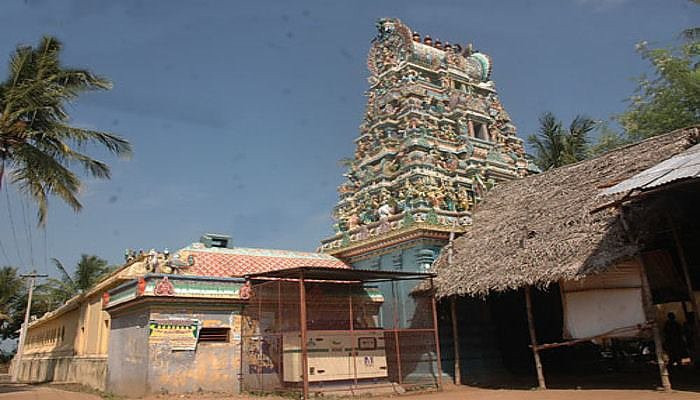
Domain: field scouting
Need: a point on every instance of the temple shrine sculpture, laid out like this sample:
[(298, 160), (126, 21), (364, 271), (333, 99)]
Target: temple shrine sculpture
[(433, 139)]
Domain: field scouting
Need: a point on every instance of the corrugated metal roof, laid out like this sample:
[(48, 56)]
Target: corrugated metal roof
[(685, 165)]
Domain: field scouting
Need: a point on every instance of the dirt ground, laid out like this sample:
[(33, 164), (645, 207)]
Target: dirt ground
[(471, 393), (51, 392), (9, 391)]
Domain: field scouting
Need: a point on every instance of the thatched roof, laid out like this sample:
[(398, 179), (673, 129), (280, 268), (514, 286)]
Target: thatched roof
[(540, 229)]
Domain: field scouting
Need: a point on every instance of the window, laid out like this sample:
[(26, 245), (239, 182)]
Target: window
[(480, 131), (214, 334)]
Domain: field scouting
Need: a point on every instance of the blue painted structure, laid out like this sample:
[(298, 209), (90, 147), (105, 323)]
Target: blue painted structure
[(413, 256), (410, 311)]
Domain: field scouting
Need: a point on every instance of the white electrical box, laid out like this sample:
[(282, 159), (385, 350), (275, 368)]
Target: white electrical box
[(330, 355)]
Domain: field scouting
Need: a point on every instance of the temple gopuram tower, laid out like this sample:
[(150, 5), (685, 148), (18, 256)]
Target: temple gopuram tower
[(433, 139)]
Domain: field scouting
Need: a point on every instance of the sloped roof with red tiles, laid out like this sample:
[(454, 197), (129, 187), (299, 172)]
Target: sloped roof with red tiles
[(239, 261)]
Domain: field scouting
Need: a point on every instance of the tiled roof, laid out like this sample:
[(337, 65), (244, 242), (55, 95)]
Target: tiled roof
[(224, 262)]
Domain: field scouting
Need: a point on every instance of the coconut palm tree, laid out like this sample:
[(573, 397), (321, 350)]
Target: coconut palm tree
[(89, 270), (38, 146), (556, 146)]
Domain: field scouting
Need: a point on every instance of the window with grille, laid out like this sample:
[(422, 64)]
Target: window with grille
[(214, 334)]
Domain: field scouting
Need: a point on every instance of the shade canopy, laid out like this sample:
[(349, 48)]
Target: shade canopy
[(336, 274)]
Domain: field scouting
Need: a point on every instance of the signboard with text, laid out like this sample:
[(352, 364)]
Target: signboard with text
[(178, 334)]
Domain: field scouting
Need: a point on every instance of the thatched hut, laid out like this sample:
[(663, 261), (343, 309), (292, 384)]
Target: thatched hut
[(557, 228)]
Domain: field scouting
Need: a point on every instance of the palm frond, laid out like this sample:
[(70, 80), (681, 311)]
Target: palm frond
[(89, 270), (115, 144), (18, 62), (38, 144), (548, 142), (39, 174), (83, 80)]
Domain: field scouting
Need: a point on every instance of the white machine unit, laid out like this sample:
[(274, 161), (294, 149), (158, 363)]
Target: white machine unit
[(330, 355)]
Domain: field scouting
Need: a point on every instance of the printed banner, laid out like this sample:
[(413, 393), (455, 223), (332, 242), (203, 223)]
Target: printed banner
[(178, 334)]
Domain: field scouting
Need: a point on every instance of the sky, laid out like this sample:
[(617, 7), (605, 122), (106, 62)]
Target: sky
[(239, 111)]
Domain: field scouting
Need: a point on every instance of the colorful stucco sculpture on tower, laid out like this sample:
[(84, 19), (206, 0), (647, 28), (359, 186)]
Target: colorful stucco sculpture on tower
[(434, 137)]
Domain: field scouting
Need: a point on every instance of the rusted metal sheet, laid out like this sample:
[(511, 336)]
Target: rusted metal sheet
[(685, 165)]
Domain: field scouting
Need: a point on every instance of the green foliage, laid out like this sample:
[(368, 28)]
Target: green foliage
[(556, 146), (670, 99), (38, 147), (47, 296), (89, 270), (11, 287), (608, 139), (41, 304), (13, 294)]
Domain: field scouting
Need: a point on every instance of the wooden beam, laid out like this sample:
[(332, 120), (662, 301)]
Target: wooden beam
[(617, 331), (533, 339)]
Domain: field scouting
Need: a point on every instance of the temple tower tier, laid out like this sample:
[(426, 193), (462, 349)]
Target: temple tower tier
[(433, 139)]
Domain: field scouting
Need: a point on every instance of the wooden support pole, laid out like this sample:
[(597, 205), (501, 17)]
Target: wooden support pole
[(647, 304), (397, 347), (455, 324), (650, 313), (455, 340), (435, 334), (304, 344), (533, 339), (353, 353)]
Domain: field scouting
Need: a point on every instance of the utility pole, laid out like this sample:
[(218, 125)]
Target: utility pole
[(23, 332)]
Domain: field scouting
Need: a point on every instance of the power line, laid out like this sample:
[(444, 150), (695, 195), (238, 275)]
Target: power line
[(46, 247), (28, 232), (12, 225), (4, 253)]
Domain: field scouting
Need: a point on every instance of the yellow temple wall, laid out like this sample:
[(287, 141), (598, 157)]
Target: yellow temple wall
[(93, 333), (70, 347), (70, 344)]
